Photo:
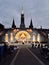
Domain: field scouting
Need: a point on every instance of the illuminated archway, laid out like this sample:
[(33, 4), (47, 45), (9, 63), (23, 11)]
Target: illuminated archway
[(22, 36)]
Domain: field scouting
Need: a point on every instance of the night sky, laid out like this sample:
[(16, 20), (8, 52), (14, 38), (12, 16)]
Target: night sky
[(38, 10)]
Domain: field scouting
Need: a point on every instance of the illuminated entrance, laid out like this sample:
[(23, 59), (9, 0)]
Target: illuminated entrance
[(22, 36)]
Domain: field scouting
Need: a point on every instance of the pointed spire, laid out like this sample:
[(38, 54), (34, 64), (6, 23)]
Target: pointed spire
[(31, 24), (13, 24), (22, 24), (22, 12)]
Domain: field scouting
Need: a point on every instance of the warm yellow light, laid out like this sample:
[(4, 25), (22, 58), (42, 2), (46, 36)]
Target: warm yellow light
[(15, 30), (29, 30), (6, 37), (11, 39), (38, 38), (22, 35), (34, 38)]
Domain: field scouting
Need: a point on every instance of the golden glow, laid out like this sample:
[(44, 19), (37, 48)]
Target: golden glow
[(22, 36), (38, 38), (6, 38), (29, 30), (34, 38), (11, 39), (15, 30)]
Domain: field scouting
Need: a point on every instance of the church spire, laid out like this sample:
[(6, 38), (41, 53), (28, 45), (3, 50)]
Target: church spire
[(22, 12), (22, 24), (31, 25), (13, 24)]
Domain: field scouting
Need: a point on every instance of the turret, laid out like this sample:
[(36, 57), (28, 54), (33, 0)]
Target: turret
[(13, 24), (31, 25)]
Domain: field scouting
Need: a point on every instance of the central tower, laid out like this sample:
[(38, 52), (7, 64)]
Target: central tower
[(22, 24)]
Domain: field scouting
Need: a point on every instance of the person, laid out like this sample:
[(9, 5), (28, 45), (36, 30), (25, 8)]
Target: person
[(5, 49)]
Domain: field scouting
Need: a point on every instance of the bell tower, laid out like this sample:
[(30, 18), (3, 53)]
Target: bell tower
[(22, 24)]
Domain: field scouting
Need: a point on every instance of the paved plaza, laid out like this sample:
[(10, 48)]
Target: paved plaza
[(25, 56)]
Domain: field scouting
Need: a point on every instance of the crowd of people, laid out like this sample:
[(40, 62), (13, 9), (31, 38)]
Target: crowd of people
[(5, 50)]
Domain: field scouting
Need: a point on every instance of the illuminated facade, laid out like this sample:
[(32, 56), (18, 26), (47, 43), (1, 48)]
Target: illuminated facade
[(23, 34)]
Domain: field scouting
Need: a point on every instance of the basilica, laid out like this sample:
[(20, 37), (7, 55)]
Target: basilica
[(23, 33)]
